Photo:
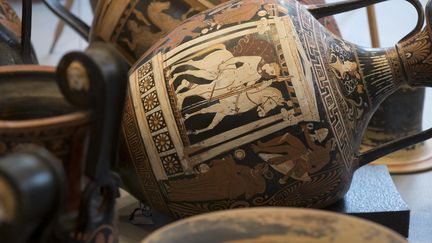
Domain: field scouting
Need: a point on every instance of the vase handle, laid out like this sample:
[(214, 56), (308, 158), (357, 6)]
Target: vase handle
[(324, 10), (393, 146), (70, 19), (97, 80)]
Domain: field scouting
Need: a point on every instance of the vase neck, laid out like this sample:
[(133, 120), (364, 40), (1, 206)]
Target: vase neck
[(416, 57), (381, 71)]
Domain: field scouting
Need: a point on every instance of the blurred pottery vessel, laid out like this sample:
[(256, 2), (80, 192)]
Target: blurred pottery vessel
[(75, 112), (10, 34), (133, 26), (33, 111), (255, 103), (400, 115)]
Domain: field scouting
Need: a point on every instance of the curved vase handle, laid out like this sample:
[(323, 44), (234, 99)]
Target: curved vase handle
[(70, 19), (393, 146), (103, 77), (103, 82), (324, 10)]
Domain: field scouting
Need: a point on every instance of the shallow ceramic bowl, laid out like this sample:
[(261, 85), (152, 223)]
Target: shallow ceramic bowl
[(274, 225)]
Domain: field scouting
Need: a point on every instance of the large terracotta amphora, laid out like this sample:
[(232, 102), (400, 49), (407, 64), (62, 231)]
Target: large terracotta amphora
[(255, 103), (133, 26), (15, 46)]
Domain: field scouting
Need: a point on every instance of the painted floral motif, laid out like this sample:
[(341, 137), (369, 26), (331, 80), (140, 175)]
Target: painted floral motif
[(171, 164), (418, 56), (150, 101), (163, 142), (156, 121), (144, 70), (146, 83)]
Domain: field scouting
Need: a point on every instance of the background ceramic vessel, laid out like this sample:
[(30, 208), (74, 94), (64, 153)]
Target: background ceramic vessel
[(10, 38), (274, 225), (33, 111), (255, 103), (399, 116), (133, 26)]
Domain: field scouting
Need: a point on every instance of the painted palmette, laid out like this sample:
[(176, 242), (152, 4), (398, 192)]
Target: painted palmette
[(255, 103)]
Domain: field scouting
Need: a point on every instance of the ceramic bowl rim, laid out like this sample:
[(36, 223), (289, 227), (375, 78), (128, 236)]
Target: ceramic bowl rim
[(75, 118)]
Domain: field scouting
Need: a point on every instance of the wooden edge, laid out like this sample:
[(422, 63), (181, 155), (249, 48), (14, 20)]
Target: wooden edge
[(25, 69), (79, 117), (409, 168), (408, 161), (75, 118)]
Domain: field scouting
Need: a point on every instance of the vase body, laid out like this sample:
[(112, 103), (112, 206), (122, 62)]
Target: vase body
[(133, 26), (10, 34), (264, 107)]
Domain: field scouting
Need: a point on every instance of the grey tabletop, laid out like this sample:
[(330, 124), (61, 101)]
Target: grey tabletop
[(416, 190)]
